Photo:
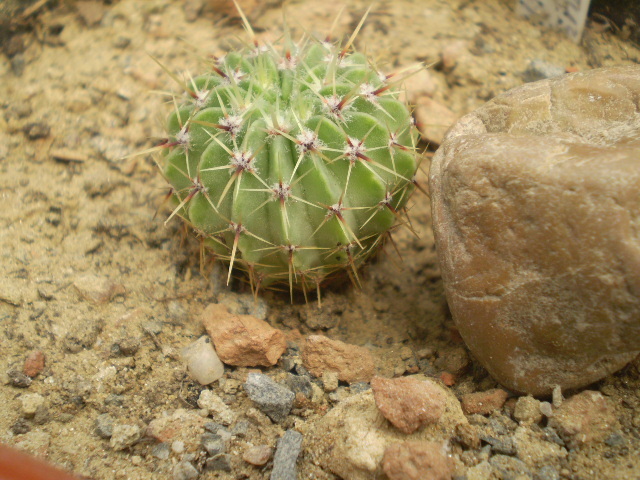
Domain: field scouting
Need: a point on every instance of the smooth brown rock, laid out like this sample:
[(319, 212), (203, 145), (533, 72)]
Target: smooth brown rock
[(416, 461), (243, 340), (536, 212), (409, 403), (351, 362)]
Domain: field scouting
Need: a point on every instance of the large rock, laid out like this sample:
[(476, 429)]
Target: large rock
[(536, 213)]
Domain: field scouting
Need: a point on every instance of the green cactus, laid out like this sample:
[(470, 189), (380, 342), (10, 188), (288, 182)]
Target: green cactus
[(292, 162)]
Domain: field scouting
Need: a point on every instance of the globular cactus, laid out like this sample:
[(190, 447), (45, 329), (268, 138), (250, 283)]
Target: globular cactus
[(292, 162)]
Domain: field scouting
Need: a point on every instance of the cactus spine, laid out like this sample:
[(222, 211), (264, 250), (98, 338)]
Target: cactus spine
[(292, 162)]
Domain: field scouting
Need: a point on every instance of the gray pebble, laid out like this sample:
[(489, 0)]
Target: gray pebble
[(124, 436), (290, 362), (177, 312), (220, 463), (19, 379), (541, 69), (359, 387), (299, 383), (547, 473), (509, 468), (500, 444), (287, 451), (184, 471), (272, 398), (20, 427), (115, 400), (161, 451), (550, 435), (128, 346), (213, 444), (104, 425), (82, 336), (152, 327), (615, 440), (241, 429), (37, 130)]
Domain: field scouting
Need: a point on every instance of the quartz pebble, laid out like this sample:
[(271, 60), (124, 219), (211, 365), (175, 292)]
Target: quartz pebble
[(534, 201), (202, 361), (257, 455)]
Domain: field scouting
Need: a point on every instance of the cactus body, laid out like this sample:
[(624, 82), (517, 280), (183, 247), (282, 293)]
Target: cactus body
[(291, 162)]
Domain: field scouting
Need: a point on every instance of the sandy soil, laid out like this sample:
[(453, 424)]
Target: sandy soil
[(77, 96)]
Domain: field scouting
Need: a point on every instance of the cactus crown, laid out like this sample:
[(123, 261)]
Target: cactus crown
[(292, 162)]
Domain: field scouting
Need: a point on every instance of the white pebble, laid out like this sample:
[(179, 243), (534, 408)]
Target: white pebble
[(202, 361)]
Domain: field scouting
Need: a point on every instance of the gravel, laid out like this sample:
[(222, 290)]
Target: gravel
[(272, 398), (287, 451)]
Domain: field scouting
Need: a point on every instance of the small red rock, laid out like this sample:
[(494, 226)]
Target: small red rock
[(408, 403), (351, 362), (34, 363), (583, 418), (258, 455), (483, 403), (243, 340), (448, 379), (416, 461)]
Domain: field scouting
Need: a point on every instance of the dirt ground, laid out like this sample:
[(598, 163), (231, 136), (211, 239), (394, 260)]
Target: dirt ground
[(78, 94)]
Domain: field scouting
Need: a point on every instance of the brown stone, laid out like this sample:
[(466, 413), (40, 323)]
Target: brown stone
[(352, 363), (535, 212), (583, 418), (483, 403), (408, 403), (34, 363), (243, 340), (416, 461)]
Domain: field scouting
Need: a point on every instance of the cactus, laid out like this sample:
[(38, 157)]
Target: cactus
[(292, 162)]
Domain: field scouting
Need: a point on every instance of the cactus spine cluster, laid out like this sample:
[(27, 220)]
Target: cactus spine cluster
[(292, 162)]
